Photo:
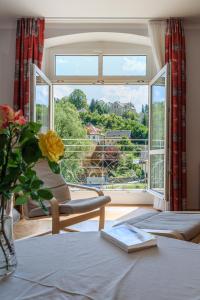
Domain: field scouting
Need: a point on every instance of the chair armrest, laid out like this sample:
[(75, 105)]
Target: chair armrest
[(98, 191), (54, 206)]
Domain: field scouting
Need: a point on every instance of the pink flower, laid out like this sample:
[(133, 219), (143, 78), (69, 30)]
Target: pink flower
[(19, 118), (7, 115)]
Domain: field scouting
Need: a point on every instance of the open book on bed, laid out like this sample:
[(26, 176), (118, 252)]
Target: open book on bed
[(129, 238)]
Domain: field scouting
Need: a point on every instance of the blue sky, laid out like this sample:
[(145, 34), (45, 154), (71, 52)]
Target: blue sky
[(124, 65), (158, 93), (76, 65), (42, 94)]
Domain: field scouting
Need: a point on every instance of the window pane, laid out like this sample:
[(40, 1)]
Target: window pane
[(68, 65), (157, 172), (158, 100), (42, 103), (105, 134), (124, 65)]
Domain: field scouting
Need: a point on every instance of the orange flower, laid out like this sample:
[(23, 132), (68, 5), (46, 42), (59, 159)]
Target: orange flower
[(7, 115)]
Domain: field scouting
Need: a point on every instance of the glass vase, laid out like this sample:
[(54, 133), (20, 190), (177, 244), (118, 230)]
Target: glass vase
[(8, 261)]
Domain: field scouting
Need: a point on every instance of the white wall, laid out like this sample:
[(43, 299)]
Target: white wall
[(53, 30), (7, 64), (193, 114)]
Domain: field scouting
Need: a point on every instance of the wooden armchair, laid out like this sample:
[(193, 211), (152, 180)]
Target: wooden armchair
[(62, 206)]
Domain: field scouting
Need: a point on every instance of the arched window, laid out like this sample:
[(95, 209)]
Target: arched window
[(104, 58)]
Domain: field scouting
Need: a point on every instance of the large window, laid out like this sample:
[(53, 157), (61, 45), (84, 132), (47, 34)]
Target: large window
[(102, 99)]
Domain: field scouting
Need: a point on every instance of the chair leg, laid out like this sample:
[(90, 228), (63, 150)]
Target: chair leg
[(102, 218), (55, 226), (55, 216)]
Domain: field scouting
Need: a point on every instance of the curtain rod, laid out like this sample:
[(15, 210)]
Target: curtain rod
[(99, 19)]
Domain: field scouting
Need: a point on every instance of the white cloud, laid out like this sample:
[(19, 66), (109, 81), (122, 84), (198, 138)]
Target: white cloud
[(62, 60), (62, 90), (136, 65), (137, 95)]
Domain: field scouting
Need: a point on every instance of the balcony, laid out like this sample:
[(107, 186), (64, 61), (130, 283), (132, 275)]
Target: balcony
[(118, 165)]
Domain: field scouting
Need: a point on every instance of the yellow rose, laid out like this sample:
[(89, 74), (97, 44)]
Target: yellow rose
[(51, 145)]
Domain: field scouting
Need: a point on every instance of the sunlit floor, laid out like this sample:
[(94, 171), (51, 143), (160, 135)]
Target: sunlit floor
[(25, 228)]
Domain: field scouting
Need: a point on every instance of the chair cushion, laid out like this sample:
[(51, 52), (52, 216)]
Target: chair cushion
[(55, 182), (187, 224), (73, 206)]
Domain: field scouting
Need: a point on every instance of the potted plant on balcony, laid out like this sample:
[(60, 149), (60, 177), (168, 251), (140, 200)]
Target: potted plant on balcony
[(21, 146)]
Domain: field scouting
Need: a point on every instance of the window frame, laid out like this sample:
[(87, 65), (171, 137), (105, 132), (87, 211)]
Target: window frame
[(165, 150), (34, 70), (98, 49)]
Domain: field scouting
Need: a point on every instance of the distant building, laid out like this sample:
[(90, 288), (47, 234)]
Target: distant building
[(119, 108), (94, 133), (118, 134)]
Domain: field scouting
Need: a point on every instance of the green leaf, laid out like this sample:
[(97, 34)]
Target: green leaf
[(30, 173), (34, 127), (31, 151), (21, 200), (17, 189), (36, 184), (3, 140), (29, 131), (2, 157), (54, 167), (45, 194), (13, 173), (22, 179), (34, 195)]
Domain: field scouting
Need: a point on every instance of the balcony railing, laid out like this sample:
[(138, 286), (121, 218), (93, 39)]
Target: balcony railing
[(109, 163)]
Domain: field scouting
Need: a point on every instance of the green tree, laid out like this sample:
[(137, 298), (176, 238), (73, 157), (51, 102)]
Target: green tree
[(78, 99), (92, 105), (69, 126), (144, 115)]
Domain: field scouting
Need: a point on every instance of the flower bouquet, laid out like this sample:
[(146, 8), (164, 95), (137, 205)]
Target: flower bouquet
[(21, 146)]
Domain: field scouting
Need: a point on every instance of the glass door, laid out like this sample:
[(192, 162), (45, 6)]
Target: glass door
[(158, 136), (41, 106)]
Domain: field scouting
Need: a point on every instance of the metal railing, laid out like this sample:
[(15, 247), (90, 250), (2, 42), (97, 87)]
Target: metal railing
[(112, 163)]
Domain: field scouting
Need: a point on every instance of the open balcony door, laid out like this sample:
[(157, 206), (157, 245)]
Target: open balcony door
[(159, 100), (41, 102)]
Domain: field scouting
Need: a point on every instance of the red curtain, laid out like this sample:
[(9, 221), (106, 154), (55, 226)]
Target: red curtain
[(29, 49), (175, 54)]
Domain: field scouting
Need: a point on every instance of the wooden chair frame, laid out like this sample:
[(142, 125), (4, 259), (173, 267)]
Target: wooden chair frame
[(58, 224)]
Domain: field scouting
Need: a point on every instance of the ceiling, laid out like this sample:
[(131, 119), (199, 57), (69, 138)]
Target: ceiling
[(100, 8)]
